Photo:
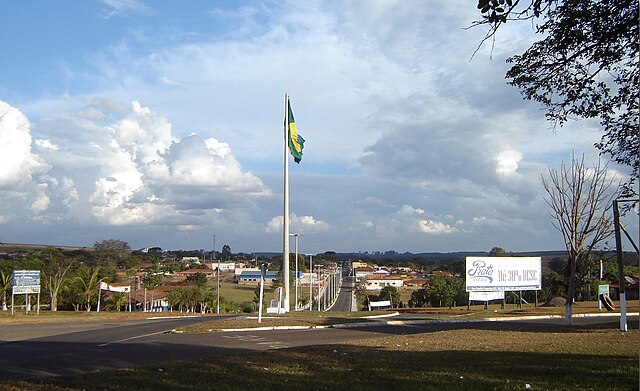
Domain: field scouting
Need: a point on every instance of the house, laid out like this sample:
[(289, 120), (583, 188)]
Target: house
[(631, 285), (382, 272), (239, 271), (252, 278), (186, 273), (362, 272), (357, 264), (415, 283), (224, 266), (376, 283)]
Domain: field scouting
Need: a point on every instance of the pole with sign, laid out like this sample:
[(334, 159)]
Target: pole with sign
[(26, 282)]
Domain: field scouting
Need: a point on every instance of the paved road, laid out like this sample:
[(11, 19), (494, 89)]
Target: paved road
[(345, 301), (145, 342)]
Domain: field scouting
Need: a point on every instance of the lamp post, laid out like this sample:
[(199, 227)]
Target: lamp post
[(217, 275), (319, 286), (296, 235), (310, 282)]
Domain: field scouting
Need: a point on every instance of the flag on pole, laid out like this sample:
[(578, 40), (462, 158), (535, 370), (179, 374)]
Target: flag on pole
[(296, 142)]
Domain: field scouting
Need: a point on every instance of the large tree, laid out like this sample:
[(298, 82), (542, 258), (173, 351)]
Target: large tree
[(112, 251), (54, 274), (580, 199), (585, 66)]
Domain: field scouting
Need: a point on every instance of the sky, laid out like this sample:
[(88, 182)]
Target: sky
[(161, 124)]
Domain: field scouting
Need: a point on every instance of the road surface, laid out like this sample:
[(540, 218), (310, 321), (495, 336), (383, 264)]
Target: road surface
[(86, 348)]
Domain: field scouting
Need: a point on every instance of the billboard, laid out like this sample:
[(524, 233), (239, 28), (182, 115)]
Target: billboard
[(26, 281), (503, 273)]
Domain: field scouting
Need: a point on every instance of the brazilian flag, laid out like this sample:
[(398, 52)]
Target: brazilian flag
[(296, 142)]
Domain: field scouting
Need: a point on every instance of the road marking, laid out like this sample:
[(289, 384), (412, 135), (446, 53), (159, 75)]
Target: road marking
[(272, 344), (131, 338)]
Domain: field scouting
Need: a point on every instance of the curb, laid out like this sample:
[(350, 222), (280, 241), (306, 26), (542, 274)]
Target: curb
[(418, 322)]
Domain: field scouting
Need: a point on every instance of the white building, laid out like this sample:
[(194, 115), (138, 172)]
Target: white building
[(374, 283)]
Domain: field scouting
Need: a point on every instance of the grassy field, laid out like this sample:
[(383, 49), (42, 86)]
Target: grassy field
[(531, 357)]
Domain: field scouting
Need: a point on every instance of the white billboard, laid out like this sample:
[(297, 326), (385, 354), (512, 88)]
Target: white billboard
[(503, 273), (26, 281)]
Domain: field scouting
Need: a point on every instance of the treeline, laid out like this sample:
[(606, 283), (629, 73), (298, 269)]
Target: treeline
[(450, 290)]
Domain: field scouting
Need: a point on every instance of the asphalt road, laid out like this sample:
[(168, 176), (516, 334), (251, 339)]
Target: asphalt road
[(345, 301), (136, 343)]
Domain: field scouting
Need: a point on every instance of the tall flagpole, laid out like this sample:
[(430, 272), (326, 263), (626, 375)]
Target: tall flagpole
[(285, 236)]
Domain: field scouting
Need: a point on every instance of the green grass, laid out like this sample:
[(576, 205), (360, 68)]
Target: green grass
[(233, 292), (544, 357)]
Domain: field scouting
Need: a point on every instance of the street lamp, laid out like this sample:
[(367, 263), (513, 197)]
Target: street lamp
[(319, 286), (310, 282), (296, 235), (217, 275)]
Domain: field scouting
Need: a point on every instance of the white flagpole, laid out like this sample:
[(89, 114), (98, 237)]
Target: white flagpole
[(285, 236)]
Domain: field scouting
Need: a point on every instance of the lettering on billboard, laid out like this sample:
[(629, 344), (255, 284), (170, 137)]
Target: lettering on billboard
[(26, 281), (503, 273)]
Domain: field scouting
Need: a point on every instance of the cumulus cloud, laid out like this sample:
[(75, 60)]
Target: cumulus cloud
[(301, 224), (18, 164), (133, 169), (149, 174)]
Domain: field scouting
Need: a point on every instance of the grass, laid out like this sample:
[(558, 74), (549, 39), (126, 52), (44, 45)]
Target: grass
[(542, 357), (233, 292)]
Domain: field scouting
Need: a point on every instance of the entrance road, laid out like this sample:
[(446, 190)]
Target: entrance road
[(137, 343)]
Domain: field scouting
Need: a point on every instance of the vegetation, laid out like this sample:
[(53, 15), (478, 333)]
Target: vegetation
[(584, 66)]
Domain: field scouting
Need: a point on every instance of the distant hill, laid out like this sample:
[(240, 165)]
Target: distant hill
[(18, 247)]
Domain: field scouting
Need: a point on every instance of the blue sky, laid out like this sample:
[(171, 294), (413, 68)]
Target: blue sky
[(160, 123)]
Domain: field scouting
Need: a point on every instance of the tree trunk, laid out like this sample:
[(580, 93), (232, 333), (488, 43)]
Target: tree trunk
[(570, 292)]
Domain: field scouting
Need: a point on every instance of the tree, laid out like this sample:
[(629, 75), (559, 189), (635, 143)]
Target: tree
[(198, 279), (55, 275), (579, 199), (419, 298), (390, 293), (360, 289), (226, 253), (151, 280), (88, 279), (446, 291), (497, 252), (586, 66), (6, 284), (112, 251)]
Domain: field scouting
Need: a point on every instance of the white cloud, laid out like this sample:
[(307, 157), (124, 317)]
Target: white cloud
[(300, 224), (507, 162), (46, 144), (123, 7), (18, 164)]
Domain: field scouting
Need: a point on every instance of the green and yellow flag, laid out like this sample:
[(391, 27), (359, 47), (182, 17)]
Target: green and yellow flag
[(296, 142)]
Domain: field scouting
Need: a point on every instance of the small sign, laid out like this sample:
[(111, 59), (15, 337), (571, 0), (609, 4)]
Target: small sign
[(486, 296), (603, 289)]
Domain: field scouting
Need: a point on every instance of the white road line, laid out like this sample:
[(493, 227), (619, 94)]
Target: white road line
[(131, 338)]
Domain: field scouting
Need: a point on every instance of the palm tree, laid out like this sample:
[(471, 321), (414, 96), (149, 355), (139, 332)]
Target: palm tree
[(89, 280), (6, 282)]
